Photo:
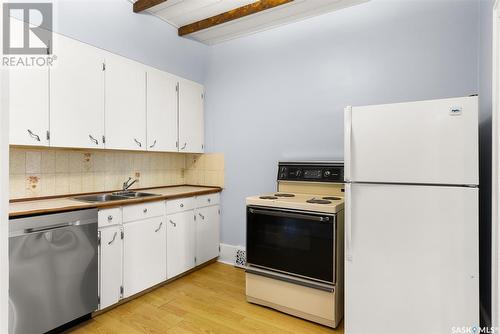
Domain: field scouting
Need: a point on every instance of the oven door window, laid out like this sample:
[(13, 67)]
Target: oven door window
[(292, 242)]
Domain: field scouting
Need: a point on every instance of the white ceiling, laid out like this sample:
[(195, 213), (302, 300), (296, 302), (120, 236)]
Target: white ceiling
[(182, 12)]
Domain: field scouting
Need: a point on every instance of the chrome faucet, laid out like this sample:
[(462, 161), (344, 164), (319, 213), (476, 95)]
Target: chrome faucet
[(127, 184)]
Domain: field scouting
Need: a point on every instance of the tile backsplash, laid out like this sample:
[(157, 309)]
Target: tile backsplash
[(51, 172)]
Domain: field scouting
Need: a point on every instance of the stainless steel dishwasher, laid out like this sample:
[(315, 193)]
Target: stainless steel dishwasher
[(53, 274)]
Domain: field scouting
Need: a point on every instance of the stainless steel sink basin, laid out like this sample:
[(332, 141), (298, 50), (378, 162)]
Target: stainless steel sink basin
[(122, 195), (100, 198), (133, 194)]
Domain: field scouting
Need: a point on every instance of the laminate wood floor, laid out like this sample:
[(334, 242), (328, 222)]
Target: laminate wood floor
[(208, 301)]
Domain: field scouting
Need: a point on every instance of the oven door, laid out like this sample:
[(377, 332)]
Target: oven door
[(299, 243)]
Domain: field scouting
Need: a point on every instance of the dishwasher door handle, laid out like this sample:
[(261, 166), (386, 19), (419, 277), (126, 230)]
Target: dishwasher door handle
[(48, 228)]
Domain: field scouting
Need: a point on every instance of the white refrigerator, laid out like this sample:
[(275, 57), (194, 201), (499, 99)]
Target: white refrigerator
[(411, 216)]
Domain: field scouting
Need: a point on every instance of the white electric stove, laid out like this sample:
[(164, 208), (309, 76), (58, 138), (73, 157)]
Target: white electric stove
[(295, 245)]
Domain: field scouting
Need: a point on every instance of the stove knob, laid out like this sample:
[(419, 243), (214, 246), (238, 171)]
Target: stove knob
[(282, 175), (298, 173), (327, 173)]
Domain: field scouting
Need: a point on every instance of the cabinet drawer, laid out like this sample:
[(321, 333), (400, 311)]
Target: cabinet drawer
[(143, 211), (180, 205), (207, 200), (109, 217)]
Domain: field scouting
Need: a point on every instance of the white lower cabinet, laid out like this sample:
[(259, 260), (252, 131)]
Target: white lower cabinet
[(207, 233), (144, 254), (181, 249), (110, 265), (146, 244)]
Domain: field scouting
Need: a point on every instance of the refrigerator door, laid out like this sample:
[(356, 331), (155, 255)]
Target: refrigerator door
[(428, 142), (412, 259)]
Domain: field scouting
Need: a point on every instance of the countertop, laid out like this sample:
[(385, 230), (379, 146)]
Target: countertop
[(62, 204)]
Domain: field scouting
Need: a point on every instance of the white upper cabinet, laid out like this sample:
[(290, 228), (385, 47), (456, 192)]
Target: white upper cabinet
[(29, 106), (161, 111), (28, 99), (76, 95), (125, 106), (191, 123)]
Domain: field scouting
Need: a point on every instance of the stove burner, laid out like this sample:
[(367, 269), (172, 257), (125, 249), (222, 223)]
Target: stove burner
[(284, 195), (332, 198), (318, 201), (268, 197)]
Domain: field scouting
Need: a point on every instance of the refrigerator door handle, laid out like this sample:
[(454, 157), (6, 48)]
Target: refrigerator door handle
[(347, 142), (348, 222)]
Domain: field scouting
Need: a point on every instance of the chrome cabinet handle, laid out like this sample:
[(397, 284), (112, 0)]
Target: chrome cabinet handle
[(138, 142), (184, 146), (159, 227), (171, 222), (145, 210), (182, 205), (153, 145), (110, 218), (113, 240), (209, 200), (94, 140), (33, 135), (202, 216)]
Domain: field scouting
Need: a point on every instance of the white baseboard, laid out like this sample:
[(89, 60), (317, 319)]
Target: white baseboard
[(228, 253)]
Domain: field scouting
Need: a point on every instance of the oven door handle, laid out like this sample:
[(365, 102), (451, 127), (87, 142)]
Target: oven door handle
[(291, 215)]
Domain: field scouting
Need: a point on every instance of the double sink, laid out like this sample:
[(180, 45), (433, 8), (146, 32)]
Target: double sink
[(117, 196)]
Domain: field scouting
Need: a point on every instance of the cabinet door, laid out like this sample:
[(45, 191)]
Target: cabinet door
[(191, 124), (144, 255), (207, 234), (29, 106), (76, 95), (125, 106), (181, 249), (110, 266), (161, 111)]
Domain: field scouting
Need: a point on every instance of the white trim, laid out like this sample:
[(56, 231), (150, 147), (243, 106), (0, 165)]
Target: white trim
[(228, 253), (4, 195), (495, 258)]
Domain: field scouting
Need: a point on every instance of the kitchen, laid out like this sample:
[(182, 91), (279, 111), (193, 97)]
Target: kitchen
[(275, 95)]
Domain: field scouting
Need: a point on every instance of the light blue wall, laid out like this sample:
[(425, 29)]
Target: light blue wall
[(280, 94), (112, 25)]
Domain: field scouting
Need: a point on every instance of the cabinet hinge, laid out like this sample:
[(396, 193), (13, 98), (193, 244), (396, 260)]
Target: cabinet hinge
[(194, 217), (202, 96), (98, 238), (122, 234), (98, 302), (195, 259), (219, 215), (177, 87), (121, 291), (177, 144), (48, 135), (104, 139), (202, 146), (104, 66), (219, 249)]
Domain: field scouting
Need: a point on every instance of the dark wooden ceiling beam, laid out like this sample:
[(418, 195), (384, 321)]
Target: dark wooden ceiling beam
[(231, 15), (141, 5)]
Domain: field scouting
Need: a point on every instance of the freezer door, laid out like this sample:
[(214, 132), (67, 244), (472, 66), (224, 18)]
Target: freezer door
[(432, 142), (412, 259)]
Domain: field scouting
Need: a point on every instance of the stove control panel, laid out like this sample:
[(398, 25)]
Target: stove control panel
[(311, 171)]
